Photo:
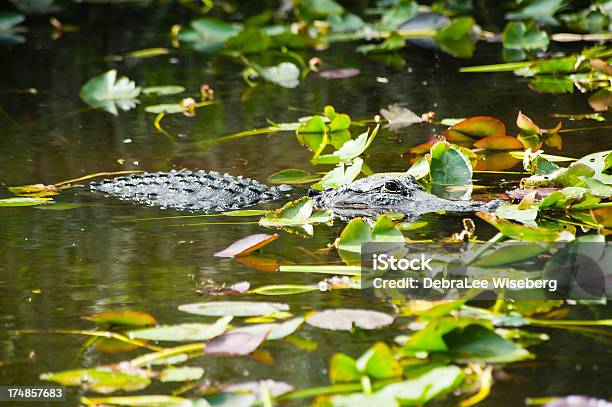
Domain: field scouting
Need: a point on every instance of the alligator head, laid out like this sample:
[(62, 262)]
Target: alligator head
[(384, 193)]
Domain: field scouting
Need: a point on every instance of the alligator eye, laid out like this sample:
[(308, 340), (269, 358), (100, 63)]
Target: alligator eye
[(391, 186)]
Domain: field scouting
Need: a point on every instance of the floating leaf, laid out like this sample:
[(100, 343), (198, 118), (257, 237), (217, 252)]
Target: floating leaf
[(455, 38), (293, 176), (499, 143), (284, 289), (343, 369), (475, 128), (273, 331), (393, 43), (247, 245), (400, 117), (401, 12), (208, 34), (449, 166), (512, 253), (234, 343), (23, 201), (541, 10), (169, 108), (100, 380), (525, 233), (521, 36), (142, 401), (122, 318), (379, 362), (475, 342), (181, 374), (339, 73), (416, 391), (233, 308), (296, 213), (358, 232), (183, 332), (344, 319), (163, 90)]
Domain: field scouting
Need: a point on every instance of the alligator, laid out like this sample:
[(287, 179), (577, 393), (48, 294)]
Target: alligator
[(212, 192)]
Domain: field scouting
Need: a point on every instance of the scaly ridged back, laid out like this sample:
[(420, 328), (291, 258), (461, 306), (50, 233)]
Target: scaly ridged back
[(194, 191)]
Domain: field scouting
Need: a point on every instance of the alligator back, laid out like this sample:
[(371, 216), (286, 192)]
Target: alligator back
[(193, 191)]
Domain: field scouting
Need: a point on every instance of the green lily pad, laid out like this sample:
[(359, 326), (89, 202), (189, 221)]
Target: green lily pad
[(379, 362), (163, 90), (234, 308), (293, 176), (23, 201), (456, 39), (209, 34), (343, 369), (416, 391), (100, 380), (449, 166), (521, 36), (143, 401), (183, 332), (358, 232), (299, 213), (181, 374), (122, 318)]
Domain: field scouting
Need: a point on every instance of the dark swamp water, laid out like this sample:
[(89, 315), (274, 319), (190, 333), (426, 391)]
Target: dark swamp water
[(97, 257)]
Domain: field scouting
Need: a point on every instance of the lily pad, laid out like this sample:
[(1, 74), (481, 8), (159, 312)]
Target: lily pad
[(234, 308), (235, 343), (299, 213), (247, 245), (23, 201), (449, 166), (163, 90), (274, 331), (293, 176), (183, 332), (100, 380), (143, 401), (122, 318), (181, 374), (343, 319), (358, 232)]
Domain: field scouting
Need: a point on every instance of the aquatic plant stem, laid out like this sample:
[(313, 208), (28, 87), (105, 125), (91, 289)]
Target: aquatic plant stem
[(165, 353), (101, 334)]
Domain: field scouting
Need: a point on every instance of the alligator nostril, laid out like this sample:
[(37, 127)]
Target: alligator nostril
[(313, 192)]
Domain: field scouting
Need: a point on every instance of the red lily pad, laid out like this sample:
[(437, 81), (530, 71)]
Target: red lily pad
[(339, 73), (520, 193), (499, 143), (475, 128), (247, 245), (526, 124)]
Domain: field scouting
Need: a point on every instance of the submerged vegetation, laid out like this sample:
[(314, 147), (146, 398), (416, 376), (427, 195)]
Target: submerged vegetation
[(400, 350)]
